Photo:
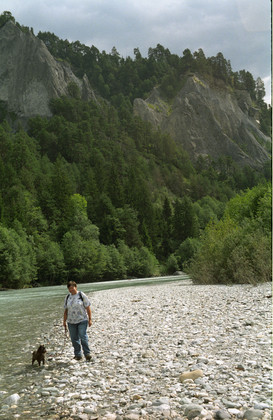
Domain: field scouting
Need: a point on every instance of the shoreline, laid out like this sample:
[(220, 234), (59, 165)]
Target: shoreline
[(142, 340)]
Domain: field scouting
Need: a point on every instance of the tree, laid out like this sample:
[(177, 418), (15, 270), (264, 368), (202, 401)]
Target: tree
[(5, 17), (115, 266), (50, 261), (255, 204), (166, 229), (186, 252), (221, 67), (17, 258), (84, 259), (129, 221), (237, 249), (185, 222), (61, 190), (201, 61), (259, 90), (159, 53), (137, 54), (246, 81), (187, 61)]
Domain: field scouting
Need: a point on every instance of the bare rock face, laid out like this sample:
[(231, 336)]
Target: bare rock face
[(209, 121), (30, 76)]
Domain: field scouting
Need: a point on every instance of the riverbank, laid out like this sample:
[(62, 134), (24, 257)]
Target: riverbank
[(143, 339)]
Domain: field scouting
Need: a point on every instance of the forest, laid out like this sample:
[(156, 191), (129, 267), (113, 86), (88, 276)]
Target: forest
[(94, 193)]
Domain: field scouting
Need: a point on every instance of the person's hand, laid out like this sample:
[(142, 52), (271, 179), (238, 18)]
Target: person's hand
[(65, 327), (89, 322)]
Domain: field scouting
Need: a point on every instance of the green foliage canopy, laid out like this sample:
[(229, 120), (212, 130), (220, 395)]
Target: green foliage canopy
[(237, 249)]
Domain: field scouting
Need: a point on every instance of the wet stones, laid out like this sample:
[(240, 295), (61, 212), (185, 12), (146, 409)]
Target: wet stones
[(159, 352)]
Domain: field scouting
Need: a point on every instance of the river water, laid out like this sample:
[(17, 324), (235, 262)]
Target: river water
[(26, 317)]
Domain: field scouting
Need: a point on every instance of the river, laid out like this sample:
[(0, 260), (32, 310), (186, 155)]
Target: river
[(26, 316)]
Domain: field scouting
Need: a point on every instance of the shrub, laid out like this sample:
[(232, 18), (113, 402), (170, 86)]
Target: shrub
[(171, 265), (186, 251), (238, 248)]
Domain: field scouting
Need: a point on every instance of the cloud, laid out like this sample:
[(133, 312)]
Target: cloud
[(240, 29), (254, 15)]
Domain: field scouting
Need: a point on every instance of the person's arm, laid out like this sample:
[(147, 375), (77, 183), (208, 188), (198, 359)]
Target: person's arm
[(65, 318), (88, 310)]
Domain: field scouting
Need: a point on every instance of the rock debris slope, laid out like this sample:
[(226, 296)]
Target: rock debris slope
[(209, 120)]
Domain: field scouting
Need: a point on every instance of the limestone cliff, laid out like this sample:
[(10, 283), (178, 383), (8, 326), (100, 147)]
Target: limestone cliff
[(209, 121), (30, 76)]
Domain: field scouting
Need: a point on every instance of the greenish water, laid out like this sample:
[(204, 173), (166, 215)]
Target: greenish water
[(27, 315)]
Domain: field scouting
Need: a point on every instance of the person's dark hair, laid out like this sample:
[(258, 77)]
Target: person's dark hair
[(71, 283)]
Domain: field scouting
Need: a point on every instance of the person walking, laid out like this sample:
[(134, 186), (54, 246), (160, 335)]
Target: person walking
[(77, 317)]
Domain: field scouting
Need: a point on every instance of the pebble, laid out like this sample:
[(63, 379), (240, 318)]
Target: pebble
[(194, 374), (144, 340)]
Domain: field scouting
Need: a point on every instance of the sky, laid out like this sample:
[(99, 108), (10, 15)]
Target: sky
[(240, 29)]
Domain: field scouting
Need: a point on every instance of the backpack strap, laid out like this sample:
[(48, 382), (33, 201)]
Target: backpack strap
[(81, 296)]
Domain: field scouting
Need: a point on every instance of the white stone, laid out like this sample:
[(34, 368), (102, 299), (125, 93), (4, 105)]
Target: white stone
[(12, 399)]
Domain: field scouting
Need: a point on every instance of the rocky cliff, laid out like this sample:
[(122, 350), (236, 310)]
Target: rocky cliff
[(209, 120), (30, 76)]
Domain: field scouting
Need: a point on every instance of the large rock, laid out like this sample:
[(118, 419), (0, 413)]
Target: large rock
[(209, 120), (30, 76)]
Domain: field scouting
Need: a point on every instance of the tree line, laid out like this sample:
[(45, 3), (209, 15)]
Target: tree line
[(94, 193), (89, 196), (121, 80)]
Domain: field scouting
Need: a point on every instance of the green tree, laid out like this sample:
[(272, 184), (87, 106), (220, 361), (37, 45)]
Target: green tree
[(185, 223), (5, 17), (171, 265), (187, 61), (186, 252), (61, 189), (115, 266), (84, 259), (17, 259), (254, 204), (50, 261), (166, 230), (237, 249), (259, 90), (129, 222)]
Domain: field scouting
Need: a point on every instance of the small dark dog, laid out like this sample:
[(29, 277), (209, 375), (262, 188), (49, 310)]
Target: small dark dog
[(39, 355)]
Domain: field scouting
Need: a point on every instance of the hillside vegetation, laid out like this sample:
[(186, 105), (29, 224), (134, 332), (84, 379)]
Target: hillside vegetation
[(94, 193)]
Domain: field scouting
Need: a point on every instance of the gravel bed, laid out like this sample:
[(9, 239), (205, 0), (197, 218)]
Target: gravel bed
[(170, 351)]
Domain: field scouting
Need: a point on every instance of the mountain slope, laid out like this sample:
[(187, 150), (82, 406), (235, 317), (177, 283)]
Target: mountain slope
[(208, 121), (30, 76)]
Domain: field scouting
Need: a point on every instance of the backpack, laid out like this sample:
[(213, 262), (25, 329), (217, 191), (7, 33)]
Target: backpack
[(81, 296)]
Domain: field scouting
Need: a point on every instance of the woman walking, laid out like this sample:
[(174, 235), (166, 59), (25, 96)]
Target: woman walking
[(77, 316)]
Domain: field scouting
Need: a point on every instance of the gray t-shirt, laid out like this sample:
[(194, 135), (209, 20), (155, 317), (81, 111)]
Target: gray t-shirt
[(75, 306)]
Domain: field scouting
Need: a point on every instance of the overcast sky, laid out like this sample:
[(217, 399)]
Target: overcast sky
[(240, 29)]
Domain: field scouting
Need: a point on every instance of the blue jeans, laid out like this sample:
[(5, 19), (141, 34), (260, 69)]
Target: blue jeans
[(79, 337)]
